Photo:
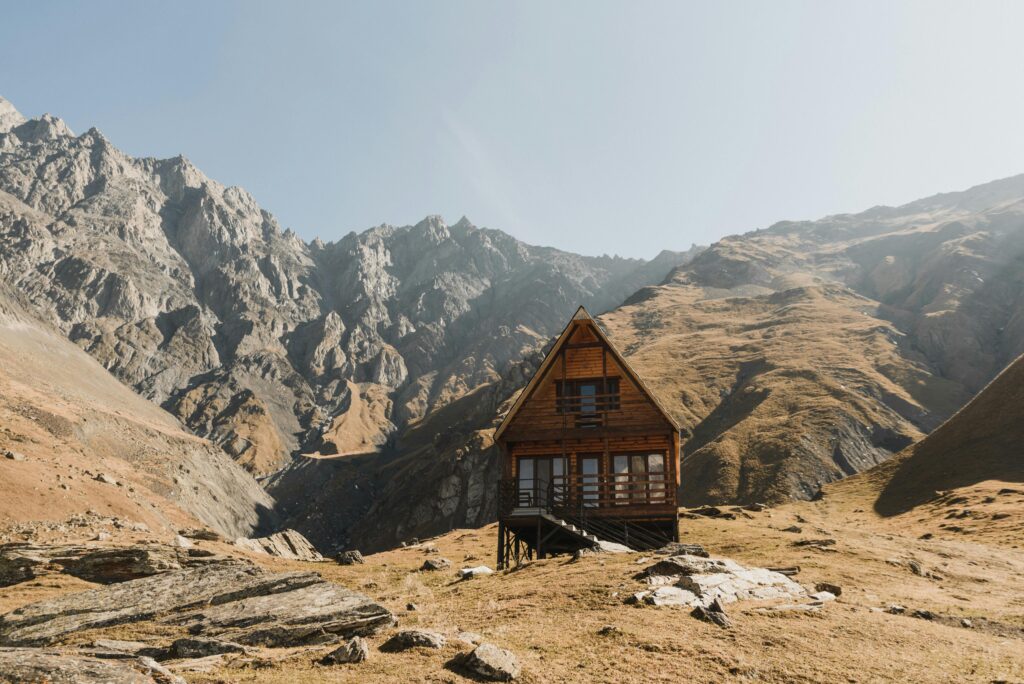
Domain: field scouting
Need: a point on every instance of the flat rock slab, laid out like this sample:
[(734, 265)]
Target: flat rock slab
[(242, 604), (101, 564), (34, 665)]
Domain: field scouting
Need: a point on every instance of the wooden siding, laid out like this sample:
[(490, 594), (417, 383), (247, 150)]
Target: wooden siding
[(635, 412), (628, 422)]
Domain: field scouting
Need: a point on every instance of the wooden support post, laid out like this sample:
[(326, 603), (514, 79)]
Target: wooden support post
[(501, 545)]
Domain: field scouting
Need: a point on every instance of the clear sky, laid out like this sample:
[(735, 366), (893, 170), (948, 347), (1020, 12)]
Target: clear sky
[(599, 127)]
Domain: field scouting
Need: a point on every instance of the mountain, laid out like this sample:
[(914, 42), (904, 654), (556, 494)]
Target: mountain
[(71, 424), (361, 379), (191, 294), (981, 442), (809, 351)]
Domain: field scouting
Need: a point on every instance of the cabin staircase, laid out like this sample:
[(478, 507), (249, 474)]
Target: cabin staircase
[(571, 529), (630, 534)]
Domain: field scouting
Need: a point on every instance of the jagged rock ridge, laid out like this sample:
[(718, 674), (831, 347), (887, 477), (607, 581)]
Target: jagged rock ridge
[(190, 293)]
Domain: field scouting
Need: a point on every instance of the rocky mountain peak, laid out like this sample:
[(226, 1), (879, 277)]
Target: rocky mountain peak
[(9, 116)]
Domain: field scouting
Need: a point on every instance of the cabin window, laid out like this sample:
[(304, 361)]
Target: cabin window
[(639, 478), (542, 481), (588, 398)]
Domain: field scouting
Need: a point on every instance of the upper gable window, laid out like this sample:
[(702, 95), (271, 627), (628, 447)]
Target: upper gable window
[(588, 397)]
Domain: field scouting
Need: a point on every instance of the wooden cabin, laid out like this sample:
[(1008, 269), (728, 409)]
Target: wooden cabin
[(589, 454)]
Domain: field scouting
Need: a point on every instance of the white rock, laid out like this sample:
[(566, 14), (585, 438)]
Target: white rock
[(479, 571), (182, 543)]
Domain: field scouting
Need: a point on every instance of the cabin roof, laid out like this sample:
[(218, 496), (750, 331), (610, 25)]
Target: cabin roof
[(581, 315)]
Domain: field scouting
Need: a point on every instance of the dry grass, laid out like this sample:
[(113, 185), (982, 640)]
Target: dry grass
[(549, 612)]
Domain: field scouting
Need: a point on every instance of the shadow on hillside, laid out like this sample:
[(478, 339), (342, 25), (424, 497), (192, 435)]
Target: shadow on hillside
[(930, 469)]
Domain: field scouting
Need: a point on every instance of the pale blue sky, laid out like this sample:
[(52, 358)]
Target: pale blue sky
[(618, 127)]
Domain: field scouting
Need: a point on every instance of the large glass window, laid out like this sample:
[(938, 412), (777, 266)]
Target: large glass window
[(639, 478)]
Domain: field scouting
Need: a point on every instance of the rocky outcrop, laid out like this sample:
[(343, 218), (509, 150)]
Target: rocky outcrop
[(285, 544), (237, 604), (696, 581), (35, 665), (191, 293), (104, 565)]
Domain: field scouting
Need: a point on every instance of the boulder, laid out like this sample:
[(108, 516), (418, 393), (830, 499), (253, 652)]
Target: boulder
[(351, 557), (414, 638), (285, 544), (105, 479), (243, 604), (491, 663), (34, 665), (356, 650), (436, 564), (14, 455)]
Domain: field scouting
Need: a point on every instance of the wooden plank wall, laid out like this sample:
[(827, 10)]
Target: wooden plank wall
[(539, 412)]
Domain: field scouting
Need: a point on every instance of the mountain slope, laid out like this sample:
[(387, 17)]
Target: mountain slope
[(73, 422), (981, 442), (810, 351), (190, 293)]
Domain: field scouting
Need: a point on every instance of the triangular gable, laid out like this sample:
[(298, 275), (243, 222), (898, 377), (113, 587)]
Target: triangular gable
[(563, 338)]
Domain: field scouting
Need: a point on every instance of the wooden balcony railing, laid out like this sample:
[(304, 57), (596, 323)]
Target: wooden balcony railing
[(586, 492)]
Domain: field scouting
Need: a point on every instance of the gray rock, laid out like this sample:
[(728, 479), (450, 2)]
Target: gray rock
[(356, 650), (414, 638), (713, 614), (491, 663), (21, 561), (201, 534), (233, 603), (351, 557), (105, 479), (200, 647), (432, 564), (14, 455), (471, 638), (34, 665), (285, 544)]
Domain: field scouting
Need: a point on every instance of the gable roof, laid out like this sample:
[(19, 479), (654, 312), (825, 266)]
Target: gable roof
[(581, 315)]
